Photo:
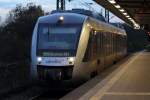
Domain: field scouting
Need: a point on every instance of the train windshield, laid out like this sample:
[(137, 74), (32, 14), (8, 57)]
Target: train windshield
[(58, 38)]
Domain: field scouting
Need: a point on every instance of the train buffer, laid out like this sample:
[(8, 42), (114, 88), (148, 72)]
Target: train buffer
[(127, 80)]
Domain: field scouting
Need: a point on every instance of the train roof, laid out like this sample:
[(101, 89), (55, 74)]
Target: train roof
[(106, 26), (77, 18), (68, 18), (118, 25), (95, 15)]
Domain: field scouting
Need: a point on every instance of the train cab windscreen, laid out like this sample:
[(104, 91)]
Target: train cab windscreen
[(58, 40)]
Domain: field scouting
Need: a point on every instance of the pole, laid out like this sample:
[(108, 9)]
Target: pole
[(107, 15), (60, 5)]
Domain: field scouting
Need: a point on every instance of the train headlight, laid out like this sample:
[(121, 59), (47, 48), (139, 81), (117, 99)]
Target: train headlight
[(71, 60), (61, 18), (39, 59)]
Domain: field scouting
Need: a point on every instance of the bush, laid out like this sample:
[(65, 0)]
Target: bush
[(16, 33)]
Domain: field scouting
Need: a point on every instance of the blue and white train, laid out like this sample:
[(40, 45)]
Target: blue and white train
[(71, 46)]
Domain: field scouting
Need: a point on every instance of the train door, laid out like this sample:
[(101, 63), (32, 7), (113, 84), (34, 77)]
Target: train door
[(91, 51), (105, 49), (94, 45), (101, 50)]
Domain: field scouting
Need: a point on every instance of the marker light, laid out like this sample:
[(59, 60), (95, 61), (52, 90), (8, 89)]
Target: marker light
[(39, 59), (61, 18)]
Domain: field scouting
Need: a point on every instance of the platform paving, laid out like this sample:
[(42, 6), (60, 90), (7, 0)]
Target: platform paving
[(130, 81)]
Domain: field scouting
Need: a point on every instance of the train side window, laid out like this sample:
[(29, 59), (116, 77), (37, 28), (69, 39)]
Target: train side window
[(87, 55), (94, 44), (101, 38), (103, 44), (106, 43), (99, 43)]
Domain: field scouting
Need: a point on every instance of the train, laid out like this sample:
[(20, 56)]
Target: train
[(74, 46)]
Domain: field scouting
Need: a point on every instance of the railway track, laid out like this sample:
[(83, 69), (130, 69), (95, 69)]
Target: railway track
[(50, 91), (52, 94), (38, 92)]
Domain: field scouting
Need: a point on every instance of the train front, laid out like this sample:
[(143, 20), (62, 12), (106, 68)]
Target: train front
[(56, 38)]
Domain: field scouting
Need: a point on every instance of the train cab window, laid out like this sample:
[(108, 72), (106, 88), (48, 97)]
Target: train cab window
[(61, 30), (44, 32), (58, 38)]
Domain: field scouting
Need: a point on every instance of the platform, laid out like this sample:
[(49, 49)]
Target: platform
[(127, 80)]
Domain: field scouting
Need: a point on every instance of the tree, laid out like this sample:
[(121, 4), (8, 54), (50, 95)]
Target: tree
[(17, 31)]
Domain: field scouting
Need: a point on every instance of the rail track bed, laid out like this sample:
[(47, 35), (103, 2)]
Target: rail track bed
[(38, 92)]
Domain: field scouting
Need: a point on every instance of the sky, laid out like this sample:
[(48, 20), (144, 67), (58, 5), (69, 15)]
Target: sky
[(49, 5)]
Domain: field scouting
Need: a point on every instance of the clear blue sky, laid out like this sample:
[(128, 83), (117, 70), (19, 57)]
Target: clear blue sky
[(47, 5)]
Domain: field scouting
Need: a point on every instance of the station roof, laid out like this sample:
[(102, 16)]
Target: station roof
[(131, 11)]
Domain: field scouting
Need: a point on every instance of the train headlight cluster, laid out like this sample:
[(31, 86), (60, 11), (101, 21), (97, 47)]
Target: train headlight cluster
[(71, 60), (61, 18), (39, 59)]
